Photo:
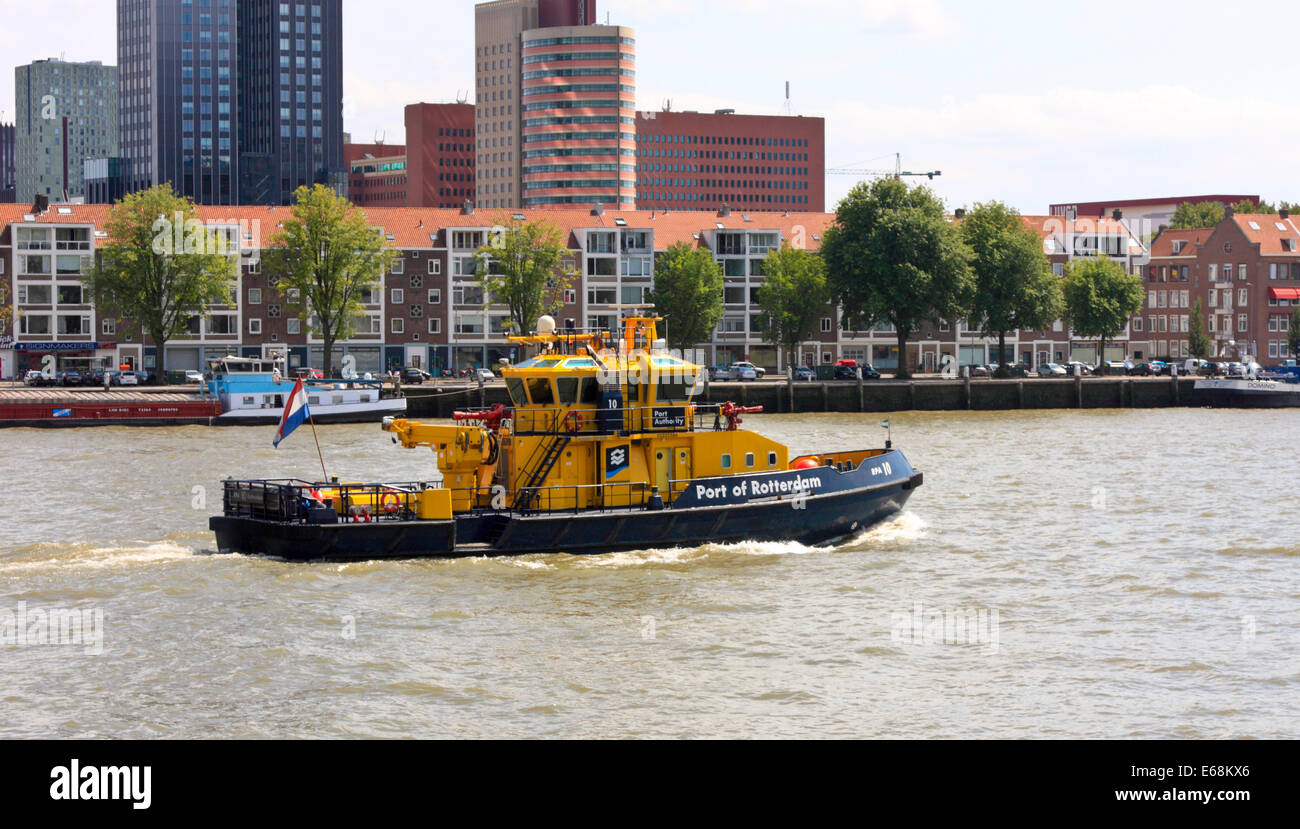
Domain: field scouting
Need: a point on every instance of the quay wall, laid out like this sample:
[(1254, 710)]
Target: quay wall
[(884, 395)]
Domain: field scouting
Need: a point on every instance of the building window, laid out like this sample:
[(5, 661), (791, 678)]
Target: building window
[(417, 280), (108, 327), (399, 266), (254, 326), (435, 296), (435, 325), (254, 296), (398, 326), (293, 325), (435, 267), (398, 296), (826, 325)]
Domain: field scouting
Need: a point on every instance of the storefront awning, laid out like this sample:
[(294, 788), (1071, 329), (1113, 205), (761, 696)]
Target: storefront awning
[(1284, 293)]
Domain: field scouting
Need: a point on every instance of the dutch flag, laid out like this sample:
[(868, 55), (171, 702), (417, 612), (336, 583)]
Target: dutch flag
[(295, 412)]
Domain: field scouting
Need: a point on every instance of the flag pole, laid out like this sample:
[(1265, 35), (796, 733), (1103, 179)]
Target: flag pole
[(312, 421)]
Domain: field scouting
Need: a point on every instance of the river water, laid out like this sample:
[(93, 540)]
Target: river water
[(1061, 574)]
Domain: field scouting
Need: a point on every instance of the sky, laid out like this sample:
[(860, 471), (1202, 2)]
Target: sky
[(1028, 103)]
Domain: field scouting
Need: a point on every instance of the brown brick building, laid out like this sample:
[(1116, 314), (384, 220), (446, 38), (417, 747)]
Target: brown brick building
[(704, 160), (1246, 273)]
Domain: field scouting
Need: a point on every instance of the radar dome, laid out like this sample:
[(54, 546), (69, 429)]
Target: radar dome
[(546, 325)]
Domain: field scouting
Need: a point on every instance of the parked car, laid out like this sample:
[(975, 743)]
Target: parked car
[(483, 374), (744, 366), (719, 372), (1113, 367), (192, 376), (1051, 370), (35, 377), (844, 371), (309, 374), (70, 378), (977, 370), (1070, 368), (415, 376), (1013, 370), (1144, 369), (124, 378), (804, 373)]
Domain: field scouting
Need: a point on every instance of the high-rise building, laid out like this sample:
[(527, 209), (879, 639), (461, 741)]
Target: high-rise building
[(290, 97), (500, 75), (232, 100), (6, 163), (702, 161), (439, 155), (578, 109), (179, 96), (66, 113)]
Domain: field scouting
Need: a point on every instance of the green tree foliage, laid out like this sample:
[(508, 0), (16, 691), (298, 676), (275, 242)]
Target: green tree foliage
[(1099, 298), (328, 251), (891, 256), (1014, 283), (792, 299), (1290, 207), (161, 267), (688, 294), (1188, 215), (1293, 333), (1198, 341), (1247, 206), (522, 267)]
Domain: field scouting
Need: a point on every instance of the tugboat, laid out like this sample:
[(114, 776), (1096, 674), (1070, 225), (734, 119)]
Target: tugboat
[(253, 391), (602, 449)]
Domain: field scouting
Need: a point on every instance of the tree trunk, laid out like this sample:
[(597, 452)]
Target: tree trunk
[(903, 372), (789, 375), (328, 342), (159, 358), (1101, 356)]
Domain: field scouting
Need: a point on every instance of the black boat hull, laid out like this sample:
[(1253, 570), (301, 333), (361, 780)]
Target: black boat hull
[(812, 518)]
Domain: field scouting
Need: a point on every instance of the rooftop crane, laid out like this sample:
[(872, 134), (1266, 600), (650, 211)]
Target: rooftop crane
[(898, 172)]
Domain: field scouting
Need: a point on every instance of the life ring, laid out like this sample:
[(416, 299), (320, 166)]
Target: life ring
[(573, 422), (390, 502)]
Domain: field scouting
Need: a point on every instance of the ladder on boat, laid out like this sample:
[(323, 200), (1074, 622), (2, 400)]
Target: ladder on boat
[(528, 492)]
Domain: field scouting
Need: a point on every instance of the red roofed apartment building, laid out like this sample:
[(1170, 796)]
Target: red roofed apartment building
[(702, 161), (1146, 216), (1246, 273)]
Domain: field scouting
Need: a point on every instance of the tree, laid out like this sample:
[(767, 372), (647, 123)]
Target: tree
[(1099, 298), (891, 256), (1014, 283), (522, 267), (792, 298), (1188, 215), (1198, 341), (161, 266), (1290, 207), (1248, 206), (330, 254), (1293, 334), (688, 294)]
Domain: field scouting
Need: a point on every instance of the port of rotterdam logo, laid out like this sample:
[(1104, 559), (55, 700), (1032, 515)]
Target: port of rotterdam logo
[(616, 460)]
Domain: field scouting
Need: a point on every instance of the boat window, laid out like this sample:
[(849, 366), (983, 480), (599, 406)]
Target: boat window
[(581, 362), (749, 459), (567, 390), (539, 389), (590, 392), (313, 400), (771, 459), (515, 387), (726, 461), (249, 401), (548, 363), (673, 389)]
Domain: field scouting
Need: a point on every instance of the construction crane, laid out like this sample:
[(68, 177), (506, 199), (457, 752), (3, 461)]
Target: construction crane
[(897, 173)]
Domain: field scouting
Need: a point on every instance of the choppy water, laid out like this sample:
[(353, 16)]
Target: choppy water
[(1142, 565)]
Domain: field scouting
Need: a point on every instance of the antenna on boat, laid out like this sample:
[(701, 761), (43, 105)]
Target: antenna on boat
[(889, 435)]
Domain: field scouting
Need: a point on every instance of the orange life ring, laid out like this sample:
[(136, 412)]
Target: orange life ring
[(573, 422), (390, 506)]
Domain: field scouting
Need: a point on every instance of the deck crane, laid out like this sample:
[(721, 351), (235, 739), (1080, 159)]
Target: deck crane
[(897, 173)]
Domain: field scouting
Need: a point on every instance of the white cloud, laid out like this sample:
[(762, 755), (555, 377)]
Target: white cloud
[(926, 18)]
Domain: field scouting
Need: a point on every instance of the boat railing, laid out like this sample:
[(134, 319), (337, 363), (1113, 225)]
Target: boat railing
[(559, 498), (294, 500), (534, 421)]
